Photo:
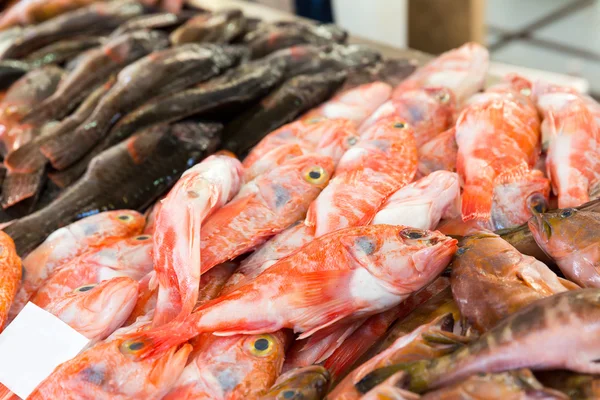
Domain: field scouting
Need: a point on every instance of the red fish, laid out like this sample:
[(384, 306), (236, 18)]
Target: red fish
[(10, 271)]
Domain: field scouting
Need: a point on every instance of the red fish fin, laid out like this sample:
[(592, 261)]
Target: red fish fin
[(346, 355), (477, 201)]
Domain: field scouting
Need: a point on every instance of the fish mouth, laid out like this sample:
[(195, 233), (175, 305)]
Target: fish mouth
[(540, 223)]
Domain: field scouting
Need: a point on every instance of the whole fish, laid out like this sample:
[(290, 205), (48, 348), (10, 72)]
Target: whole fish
[(422, 204), (570, 238), (573, 136), (221, 26), (311, 289), (384, 160), (142, 167), (131, 257), (31, 12), (102, 372), (200, 191), (162, 71), (65, 244), (61, 51), (491, 280), (231, 368), (539, 336), (93, 69), (263, 207), (10, 270), (462, 70), (429, 112), (96, 310), (157, 21), (291, 99), (439, 154), (429, 341), (308, 383), (95, 18)]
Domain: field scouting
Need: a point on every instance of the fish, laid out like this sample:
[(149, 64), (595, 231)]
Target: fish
[(391, 71), (569, 237), (391, 389), (538, 336), (429, 112), (428, 341), (96, 310), (271, 38), (513, 385), (122, 257), (273, 159), (145, 303), (31, 12), (28, 158), (10, 267), (95, 68), (18, 187), (510, 127), (159, 72), (382, 260), (307, 383), (11, 70), (60, 52), (422, 204), (291, 99), (462, 70), (154, 21), (491, 280), (262, 208), (66, 243), (199, 193), (221, 26), (233, 367), (438, 154), (143, 167), (173, 6), (384, 160), (575, 386), (93, 19), (571, 133), (102, 372)]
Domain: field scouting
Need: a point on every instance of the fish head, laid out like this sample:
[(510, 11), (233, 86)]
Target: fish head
[(129, 222), (402, 258), (564, 232), (305, 383), (273, 159), (336, 138)]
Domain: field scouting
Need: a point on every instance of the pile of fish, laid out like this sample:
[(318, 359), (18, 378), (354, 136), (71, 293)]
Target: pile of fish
[(318, 222)]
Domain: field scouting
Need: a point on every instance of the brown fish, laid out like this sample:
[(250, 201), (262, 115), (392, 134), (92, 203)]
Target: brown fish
[(62, 51), (559, 331), (575, 386), (222, 26), (307, 383), (163, 20), (33, 12)]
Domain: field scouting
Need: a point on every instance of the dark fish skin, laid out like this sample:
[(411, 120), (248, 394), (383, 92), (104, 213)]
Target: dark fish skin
[(161, 72), (17, 187), (219, 27), (271, 38), (153, 21), (557, 332), (11, 70), (28, 158), (391, 71), (96, 18), (291, 99), (575, 386), (142, 168), (62, 51), (95, 68)]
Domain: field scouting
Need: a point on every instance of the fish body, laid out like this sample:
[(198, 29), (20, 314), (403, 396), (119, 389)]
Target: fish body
[(308, 383), (273, 159), (31, 12), (391, 389), (200, 191), (96, 311), (263, 207), (570, 238), (93, 69), (439, 153), (131, 257), (491, 280), (221, 26), (62, 51), (231, 368), (349, 274), (157, 21), (10, 269), (143, 167)]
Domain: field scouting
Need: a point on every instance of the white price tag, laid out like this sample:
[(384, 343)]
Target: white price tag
[(33, 345)]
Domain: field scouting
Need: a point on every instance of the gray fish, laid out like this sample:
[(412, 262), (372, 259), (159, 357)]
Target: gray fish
[(219, 27), (153, 21), (143, 168), (62, 51), (557, 332), (161, 72), (96, 66)]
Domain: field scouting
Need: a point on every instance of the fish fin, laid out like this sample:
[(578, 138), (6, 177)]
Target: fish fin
[(25, 159), (168, 369), (335, 335), (477, 201), (57, 150), (568, 284), (21, 186)]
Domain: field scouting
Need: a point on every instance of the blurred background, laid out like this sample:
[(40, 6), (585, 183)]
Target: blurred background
[(560, 36)]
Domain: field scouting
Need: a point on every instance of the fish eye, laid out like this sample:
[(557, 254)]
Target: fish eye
[(125, 217), (316, 175), (287, 394), (412, 234), (443, 97), (567, 213), (142, 237), (261, 346), (400, 125), (461, 251), (131, 346), (352, 140), (85, 288)]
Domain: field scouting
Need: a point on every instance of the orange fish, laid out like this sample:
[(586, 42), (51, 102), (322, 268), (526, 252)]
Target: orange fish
[(273, 159), (263, 207), (130, 257), (10, 271), (349, 274), (69, 242), (200, 191), (439, 153)]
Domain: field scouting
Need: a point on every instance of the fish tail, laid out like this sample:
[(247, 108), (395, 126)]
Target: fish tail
[(417, 371), (18, 187), (47, 110), (477, 201), (25, 159)]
